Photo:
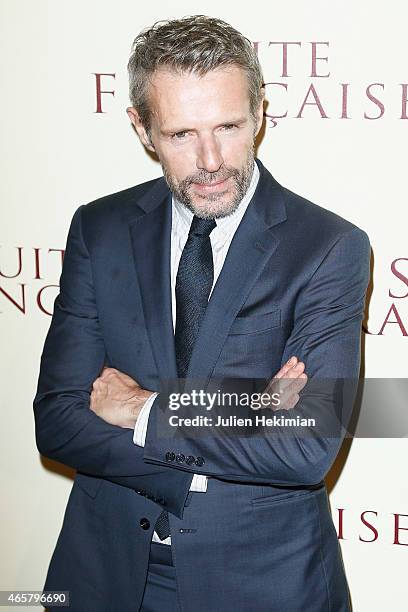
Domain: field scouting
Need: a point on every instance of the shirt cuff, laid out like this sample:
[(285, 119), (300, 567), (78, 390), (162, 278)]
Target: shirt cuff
[(199, 483), (142, 421)]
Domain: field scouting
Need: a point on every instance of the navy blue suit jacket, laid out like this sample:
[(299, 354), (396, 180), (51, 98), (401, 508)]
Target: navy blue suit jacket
[(261, 538)]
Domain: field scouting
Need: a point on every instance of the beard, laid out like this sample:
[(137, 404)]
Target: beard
[(213, 205)]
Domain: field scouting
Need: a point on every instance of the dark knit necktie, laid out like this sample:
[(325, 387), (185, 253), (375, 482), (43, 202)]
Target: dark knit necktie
[(195, 277)]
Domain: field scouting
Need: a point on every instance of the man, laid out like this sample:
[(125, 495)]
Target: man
[(213, 272)]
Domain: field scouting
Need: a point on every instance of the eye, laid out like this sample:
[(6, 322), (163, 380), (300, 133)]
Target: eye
[(179, 135), (229, 126)]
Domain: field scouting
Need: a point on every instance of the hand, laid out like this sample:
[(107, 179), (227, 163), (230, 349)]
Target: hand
[(287, 383), (117, 398)]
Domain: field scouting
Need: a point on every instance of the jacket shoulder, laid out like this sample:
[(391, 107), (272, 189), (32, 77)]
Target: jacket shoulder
[(110, 214), (119, 201), (319, 222)]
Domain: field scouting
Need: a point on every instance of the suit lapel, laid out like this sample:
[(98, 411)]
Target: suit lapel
[(254, 242), (151, 241)]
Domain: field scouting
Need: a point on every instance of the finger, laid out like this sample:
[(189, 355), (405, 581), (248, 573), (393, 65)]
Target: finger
[(107, 372), (296, 370), (291, 402), (286, 367), (99, 383), (118, 380), (292, 374), (294, 387), (280, 385), (287, 372), (102, 388), (92, 402), (288, 403), (112, 383)]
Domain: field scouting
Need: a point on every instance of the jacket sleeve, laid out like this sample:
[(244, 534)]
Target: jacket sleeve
[(326, 335), (73, 356)]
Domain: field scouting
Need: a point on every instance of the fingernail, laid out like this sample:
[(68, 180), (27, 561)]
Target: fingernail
[(291, 360)]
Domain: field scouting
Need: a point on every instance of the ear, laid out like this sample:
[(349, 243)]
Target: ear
[(260, 113), (139, 127)]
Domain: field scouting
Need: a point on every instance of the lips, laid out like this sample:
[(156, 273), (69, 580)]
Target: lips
[(209, 187)]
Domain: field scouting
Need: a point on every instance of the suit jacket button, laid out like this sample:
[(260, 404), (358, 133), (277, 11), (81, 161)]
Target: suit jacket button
[(145, 523), (200, 461), (170, 456), (190, 459), (180, 458)]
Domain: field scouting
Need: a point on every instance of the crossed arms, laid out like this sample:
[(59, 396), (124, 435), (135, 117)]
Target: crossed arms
[(326, 337)]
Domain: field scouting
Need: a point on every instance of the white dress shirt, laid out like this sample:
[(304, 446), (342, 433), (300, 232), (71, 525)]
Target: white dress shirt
[(220, 238)]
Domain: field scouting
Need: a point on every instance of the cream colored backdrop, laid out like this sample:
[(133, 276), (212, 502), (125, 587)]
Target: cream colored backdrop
[(342, 145)]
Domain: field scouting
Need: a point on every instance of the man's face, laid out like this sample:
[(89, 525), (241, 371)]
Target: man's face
[(203, 133)]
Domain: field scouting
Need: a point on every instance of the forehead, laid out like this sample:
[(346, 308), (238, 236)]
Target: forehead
[(188, 96)]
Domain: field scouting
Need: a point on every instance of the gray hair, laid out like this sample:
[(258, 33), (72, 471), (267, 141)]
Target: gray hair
[(192, 44)]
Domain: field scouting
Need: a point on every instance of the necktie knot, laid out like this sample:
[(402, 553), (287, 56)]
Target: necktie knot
[(201, 227)]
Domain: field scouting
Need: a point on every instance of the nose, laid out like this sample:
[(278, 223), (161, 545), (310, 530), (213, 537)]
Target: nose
[(209, 156)]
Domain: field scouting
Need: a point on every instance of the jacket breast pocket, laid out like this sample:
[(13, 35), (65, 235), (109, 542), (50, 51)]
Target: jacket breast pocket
[(88, 484), (256, 323), (253, 346)]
